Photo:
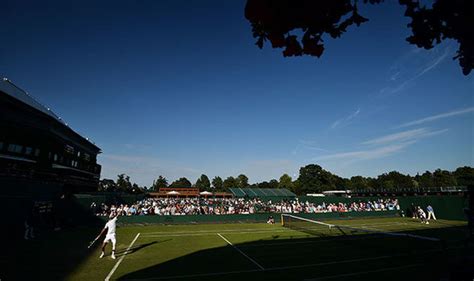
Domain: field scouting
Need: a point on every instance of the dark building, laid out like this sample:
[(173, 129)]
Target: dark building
[(36, 146)]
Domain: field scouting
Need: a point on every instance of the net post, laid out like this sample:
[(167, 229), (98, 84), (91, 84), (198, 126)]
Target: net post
[(281, 220)]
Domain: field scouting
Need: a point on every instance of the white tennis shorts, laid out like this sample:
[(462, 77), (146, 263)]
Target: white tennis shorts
[(111, 238)]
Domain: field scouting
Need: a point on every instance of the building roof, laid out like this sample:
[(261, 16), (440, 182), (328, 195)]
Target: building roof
[(13, 90), (7, 87)]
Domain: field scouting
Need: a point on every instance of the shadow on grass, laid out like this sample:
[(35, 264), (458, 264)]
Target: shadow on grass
[(354, 257), (51, 255)]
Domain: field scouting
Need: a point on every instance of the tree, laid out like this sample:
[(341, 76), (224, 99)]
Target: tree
[(393, 180), (182, 182), (425, 180), (242, 181), (203, 183), (217, 183), (160, 182), (263, 184), (464, 176), (442, 178), (107, 185), (359, 182), (278, 21), (273, 183), (286, 182), (341, 183), (123, 182), (314, 179), (230, 182)]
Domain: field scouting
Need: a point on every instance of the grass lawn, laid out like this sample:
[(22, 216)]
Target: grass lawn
[(251, 252)]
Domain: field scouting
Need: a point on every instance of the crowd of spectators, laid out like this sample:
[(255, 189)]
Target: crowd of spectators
[(201, 206)]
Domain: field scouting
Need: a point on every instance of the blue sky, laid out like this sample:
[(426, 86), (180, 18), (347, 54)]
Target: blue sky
[(178, 88)]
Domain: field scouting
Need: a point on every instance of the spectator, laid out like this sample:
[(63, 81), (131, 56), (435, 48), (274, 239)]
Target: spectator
[(213, 206), (430, 212), (271, 220)]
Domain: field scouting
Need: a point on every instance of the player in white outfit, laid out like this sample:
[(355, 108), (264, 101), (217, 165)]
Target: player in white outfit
[(110, 236)]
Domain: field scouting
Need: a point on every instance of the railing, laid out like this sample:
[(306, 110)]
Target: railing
[(447, 189)]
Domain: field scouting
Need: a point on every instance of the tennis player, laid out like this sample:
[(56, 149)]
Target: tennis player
[(110, 236)]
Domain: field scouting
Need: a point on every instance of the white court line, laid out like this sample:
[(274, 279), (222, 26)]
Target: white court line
[(365, 272), (238, 250), (121, 258)]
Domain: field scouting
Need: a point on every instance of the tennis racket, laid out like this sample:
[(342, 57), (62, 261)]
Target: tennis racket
[(92, 242)]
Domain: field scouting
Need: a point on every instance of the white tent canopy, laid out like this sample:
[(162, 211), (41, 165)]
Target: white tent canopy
[(172, 192), (205, 193)]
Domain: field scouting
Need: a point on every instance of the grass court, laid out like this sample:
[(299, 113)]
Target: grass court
[(255, 251)]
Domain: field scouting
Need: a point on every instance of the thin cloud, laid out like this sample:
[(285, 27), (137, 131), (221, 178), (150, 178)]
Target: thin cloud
[(386, 146), (412, 66), (346, 120), (404, 136), (367, 154), (438, 116)]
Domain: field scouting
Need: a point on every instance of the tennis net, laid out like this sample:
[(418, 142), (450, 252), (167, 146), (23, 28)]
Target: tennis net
[(322, 229)]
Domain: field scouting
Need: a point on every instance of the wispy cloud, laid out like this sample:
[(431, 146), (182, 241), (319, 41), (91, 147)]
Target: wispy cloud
[(412, 66), (346, 120), (404, 136), (438, 116), (367, 154), (383, 146)]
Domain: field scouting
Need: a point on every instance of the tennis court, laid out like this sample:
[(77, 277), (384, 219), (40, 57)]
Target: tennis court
[(300, 250)]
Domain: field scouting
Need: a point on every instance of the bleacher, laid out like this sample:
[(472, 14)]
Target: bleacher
[(261, 192)]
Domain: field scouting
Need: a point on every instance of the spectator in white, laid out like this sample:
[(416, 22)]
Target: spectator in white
[(271, 220), (430, 212), (422, 215)]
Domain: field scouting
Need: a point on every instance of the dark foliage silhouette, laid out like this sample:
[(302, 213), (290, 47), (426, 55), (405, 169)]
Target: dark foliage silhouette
[(280, 22)]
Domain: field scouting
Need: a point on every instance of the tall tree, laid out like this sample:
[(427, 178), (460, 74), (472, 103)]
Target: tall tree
[(394, 179), (160, 182), (230, 182), (286, 182), (203, 183), (217, 183), (242, 181), (273, 183), (442, 178), (359, 182), (313, 179), (182, 182), (425, 180), (123, 182), (464, 176)]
